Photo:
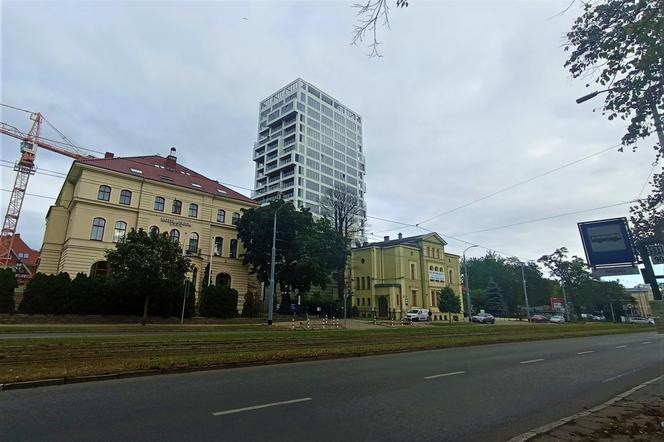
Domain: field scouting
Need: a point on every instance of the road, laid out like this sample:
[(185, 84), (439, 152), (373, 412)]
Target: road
[(491, 392)]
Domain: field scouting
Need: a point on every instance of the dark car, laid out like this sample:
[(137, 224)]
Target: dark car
[(538, 318), (483, 318)]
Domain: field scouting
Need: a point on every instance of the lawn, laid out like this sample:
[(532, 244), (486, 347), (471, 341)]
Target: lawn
[(58, 357)]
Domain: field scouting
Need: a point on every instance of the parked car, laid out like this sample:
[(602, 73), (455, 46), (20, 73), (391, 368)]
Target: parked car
[(640, 320), (557, 319), (483, 318), (418, 314), (599, 318), (538, 318)]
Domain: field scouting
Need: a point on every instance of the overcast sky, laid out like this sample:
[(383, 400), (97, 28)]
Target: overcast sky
[(468, 98)]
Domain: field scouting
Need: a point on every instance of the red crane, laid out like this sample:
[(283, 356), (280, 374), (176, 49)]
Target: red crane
[(25, 167)]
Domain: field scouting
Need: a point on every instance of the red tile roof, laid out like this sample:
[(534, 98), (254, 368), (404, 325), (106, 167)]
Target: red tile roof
[(19, 246), (163, 170)]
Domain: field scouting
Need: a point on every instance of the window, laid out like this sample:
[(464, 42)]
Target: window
[(175, 235), (98, 225), (154, 229), (193, 243), (357, 283), (159, 203), (450, 281), (104, 193), (125, 197), (100, 268), (414, 292), (412, 271), (193, 210), (218, 245), (120, 231), (223, 279), (23, 255), (233, 251), (177, 207), (235, 220), (221, 216)]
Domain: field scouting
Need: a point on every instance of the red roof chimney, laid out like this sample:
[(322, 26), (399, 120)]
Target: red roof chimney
[(171, 159)]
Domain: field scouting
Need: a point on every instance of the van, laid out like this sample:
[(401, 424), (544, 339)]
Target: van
[(418, 314)]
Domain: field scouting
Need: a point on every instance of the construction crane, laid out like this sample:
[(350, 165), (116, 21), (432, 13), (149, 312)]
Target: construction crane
[(25, 167)]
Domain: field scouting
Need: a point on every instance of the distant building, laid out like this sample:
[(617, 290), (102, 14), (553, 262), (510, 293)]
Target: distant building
[(642, 295), (393, 276), (103, 199), (22, 259), (308, 143)]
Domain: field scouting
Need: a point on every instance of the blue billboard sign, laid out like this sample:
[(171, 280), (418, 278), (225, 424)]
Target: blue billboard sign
[(607, 242)]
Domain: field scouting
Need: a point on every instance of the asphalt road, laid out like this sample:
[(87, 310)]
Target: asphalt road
[(491, 392)]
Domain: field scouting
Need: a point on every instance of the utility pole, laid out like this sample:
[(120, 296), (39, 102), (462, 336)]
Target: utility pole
[(270, 302), (562, 286), (525, 291), (467, 283)]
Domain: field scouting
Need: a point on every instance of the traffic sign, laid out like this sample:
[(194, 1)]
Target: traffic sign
[(656, 252), (607, 242), (615, 271)]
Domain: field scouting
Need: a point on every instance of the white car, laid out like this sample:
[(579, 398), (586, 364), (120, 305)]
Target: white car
[(557, 319), (640, 320), (418, 314)]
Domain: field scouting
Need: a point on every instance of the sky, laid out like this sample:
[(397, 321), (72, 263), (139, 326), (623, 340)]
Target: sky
[(468, 98)]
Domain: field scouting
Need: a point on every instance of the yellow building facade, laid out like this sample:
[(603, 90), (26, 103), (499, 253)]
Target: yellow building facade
[(393, 276), (102, 199)]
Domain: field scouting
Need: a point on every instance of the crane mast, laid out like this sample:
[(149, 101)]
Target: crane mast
[(25, 167)]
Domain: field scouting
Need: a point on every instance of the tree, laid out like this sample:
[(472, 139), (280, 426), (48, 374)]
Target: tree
[(7, 285), (250, 306), (149, 266), (495, 303), (307, 250), (342, 208), (46, 294), (571, 272), (449, 302), (371, 14)]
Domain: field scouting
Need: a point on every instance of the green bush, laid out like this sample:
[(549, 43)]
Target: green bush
[(7, 285), (46, 294), (250, 306), (218, 302)]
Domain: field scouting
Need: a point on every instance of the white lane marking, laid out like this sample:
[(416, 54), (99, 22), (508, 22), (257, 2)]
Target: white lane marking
[(531, 361), (621, 375), (621, 346), (256, 407), (585, 352), (444, 374), (647, 342)]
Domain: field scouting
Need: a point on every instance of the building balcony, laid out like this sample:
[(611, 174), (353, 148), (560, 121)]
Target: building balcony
[(193, 252)]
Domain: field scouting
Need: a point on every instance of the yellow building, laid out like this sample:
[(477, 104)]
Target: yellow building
[(642, 296), (102, 199), (394, 276)]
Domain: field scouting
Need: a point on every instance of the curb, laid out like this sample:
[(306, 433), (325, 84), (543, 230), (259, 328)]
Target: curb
[(553, 425)]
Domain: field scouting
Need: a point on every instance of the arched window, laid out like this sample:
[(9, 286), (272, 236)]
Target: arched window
[(177, 207), (430, 267), (436, 268), (104, 193), (97, 233), (159, 203), (154, 229), (120, 231), (218, 245), (125, 197), (233, 251), (193, 242), (221, 216), (223, 279), (175, 235), (236, 219), (100, 268), (193, 210)]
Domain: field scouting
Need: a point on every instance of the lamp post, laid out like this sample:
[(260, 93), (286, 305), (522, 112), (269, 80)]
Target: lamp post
[(465, 276), (525, 290), (270, 302)]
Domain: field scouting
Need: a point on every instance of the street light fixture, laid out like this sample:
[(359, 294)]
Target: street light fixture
[(465, 271), (273, 258)]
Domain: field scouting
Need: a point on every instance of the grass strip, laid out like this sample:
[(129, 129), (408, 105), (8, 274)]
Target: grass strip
[(43, 358)]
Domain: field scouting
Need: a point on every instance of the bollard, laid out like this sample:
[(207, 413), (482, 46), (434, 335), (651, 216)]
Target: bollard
[(374, 320), (293, 324), (325, 322), (336, 323), (308, 324), (391, 322)]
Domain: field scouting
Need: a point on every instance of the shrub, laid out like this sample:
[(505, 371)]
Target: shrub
[(218, 302), (46, 294), (7, 285), (250, 306)]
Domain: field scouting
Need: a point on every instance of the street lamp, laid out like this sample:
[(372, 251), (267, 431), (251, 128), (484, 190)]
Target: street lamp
[(525, 290), (465, 271), (274, 253)]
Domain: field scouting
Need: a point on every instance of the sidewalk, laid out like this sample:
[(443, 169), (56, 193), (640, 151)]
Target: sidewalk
[(638, 416)]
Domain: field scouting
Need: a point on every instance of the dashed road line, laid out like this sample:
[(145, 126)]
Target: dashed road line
[(620, 375), (647, 342), (257, 407), (621, 346), (585, 352), (531, 361), (444, 375)]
